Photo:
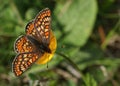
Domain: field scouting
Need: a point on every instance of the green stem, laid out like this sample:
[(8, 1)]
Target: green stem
[(71, 62), (111, 33)]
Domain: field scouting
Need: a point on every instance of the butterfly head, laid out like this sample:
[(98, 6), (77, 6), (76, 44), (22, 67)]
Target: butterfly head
[(45, 48)]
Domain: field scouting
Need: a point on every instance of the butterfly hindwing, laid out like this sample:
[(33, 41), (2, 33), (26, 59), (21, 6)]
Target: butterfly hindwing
[(23, 61), (30, 30)]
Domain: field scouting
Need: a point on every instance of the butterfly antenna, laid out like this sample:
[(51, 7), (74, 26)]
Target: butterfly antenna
[(47, 64), (48, 61)]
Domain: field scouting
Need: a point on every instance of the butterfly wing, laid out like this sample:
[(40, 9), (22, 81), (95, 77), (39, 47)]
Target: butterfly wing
[(27, 51), (22, 44), (23, 61), (42, 24), (31, 31)]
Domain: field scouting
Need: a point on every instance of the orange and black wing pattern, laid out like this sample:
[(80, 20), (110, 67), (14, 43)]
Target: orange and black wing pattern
[(37, 32), (42, 24), (23, 61), (26, 55), (30, 30), (22, 44)]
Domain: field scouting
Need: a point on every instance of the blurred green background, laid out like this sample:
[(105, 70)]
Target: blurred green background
[(88, 36)]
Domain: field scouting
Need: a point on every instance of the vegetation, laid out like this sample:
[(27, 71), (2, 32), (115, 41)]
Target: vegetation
[(88, 42)]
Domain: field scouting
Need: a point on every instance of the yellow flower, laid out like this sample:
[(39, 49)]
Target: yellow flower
[(48, 56)]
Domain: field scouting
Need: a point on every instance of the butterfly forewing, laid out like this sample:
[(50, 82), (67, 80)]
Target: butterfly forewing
[(22, 44), (23, 61), (42, 24)]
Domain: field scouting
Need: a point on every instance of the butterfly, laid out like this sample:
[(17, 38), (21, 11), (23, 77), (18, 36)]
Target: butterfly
[(38, 44)]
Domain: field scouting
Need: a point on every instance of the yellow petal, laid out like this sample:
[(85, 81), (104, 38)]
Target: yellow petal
[(48, 56)]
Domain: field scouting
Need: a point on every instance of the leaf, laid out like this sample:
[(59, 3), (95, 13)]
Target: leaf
[(77, 18), (89, 80)]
